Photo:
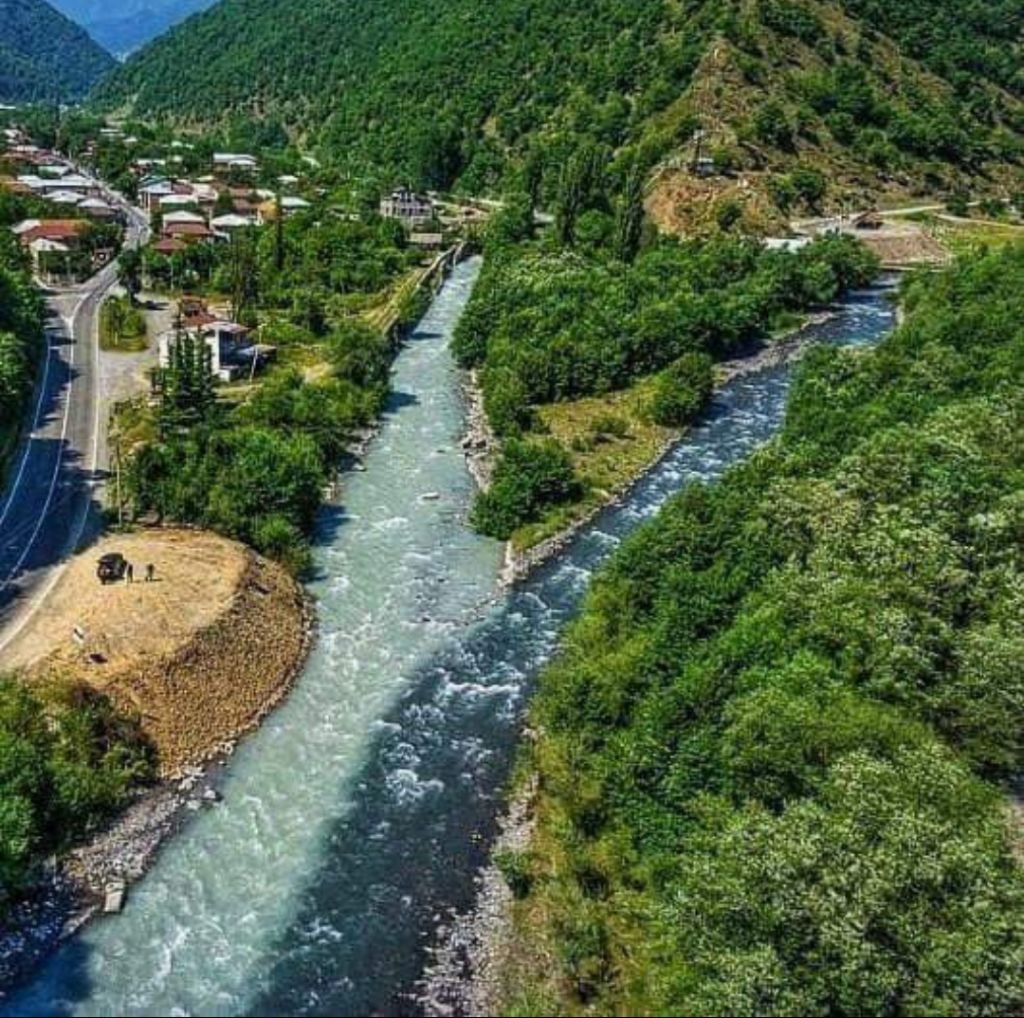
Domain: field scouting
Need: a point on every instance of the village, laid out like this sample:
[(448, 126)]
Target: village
[(77, 225)]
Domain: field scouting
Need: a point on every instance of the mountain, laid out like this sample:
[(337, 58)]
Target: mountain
[(44, 55), (122, 26), (866, 91)]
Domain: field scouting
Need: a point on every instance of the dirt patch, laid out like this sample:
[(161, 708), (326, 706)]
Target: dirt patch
[(685, 205), (201, 654), (904, 245)]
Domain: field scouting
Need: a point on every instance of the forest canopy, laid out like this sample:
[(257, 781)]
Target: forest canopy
[(773, 754)]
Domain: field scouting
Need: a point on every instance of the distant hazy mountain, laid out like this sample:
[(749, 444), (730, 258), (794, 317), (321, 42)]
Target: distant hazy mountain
[(125, 25), (44, 55)]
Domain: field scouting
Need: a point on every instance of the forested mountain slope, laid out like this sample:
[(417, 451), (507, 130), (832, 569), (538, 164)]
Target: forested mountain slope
[(43, 55), (449, 89)]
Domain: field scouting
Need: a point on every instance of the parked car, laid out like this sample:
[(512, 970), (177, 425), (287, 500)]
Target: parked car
[(111, 567)]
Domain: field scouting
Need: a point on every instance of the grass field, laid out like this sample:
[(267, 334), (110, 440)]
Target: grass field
[(611, 440), (965, 238)]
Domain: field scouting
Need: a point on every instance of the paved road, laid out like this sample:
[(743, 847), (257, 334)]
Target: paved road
[(829, 222), (50, 504)]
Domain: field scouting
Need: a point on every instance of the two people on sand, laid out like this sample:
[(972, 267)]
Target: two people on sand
[(129, 575)]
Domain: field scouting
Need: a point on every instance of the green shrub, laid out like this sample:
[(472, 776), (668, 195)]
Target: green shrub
[(682, 390), (67, 761), (609, 426), (517, 870), (530, 477)]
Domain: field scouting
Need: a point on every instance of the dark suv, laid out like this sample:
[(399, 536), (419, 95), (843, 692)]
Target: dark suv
[(111, 567)]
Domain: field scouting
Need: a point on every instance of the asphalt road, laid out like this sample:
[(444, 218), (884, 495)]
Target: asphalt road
[(51, 502)]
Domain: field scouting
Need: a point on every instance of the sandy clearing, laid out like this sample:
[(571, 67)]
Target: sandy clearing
[(201, 654)]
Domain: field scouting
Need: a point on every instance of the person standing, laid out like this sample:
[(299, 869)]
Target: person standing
[(130, 573)]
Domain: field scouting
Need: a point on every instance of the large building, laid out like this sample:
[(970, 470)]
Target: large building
[(408, 207)]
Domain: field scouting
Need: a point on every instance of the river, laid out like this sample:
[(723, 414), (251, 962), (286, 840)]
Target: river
[(353, 822)]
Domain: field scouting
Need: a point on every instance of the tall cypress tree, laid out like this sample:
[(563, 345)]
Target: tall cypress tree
[(629, 218)]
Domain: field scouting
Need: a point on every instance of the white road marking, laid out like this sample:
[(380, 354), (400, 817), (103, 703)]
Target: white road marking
[(58, 571), (60, 449), (31, 435)]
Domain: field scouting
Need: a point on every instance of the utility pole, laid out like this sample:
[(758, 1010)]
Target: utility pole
[(117, 480)]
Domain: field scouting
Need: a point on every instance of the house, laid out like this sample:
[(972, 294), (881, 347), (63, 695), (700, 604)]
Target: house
[(70, 198), (407, 207), (182, 216), (186, 226), (151, 192), (97, 208), (46, 238), (223, 161), (148, 165), (189, 232), (230, 222), (63, 231), (75, 182), (47, 261), (168, 246), (177, 200), (25, 226), (44, 187), (427, 241), (233, 354), (204, 193), (27, 153)]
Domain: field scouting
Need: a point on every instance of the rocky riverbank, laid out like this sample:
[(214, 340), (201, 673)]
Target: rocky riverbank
[(480, 444), (464, 974)]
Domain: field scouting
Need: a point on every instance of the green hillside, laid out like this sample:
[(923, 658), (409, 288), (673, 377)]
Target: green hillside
[(773, 758), (44, 56), (449, 90)]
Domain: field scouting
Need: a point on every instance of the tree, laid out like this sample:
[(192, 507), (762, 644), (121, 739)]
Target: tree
[(629, 219), (278, 233), (530, 477), (359, 354), (809, 185), (187, 394), (580, 187), (244, 273), (772, 126), (958, 204), (907, 853), (682, 390), (129, 272)]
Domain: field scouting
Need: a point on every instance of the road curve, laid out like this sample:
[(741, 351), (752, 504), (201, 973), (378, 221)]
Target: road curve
[(50, 503)]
